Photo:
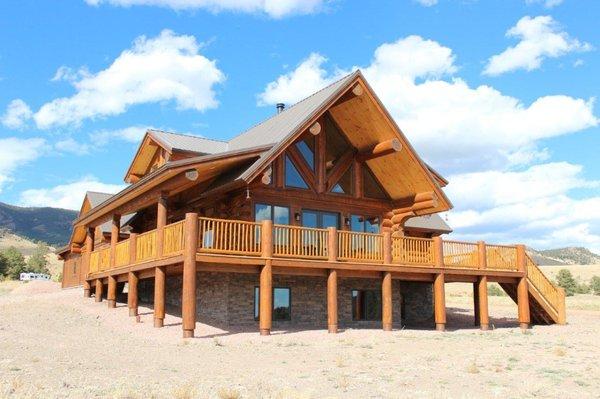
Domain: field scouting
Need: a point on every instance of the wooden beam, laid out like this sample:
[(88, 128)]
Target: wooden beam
[(315, 128), (188, 301), (482, 309), (159, 296), (85, 267), (386, 301), (265, 307), (303, 168), (320, 146), (523, 289), (161, 222), (382, 149), (439, 302), (99, 287), (339, 169), (132, 293), (332, 303), (111, 295)]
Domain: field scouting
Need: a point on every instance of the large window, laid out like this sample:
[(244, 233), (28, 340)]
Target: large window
[(371, 186), (320, 219), (282, 303), (292, 176), (278, 214), (364, 224), (306, 146), (366, 305)]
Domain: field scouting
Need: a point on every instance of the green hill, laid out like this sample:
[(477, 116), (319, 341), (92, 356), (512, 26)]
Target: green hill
[(51, 225)]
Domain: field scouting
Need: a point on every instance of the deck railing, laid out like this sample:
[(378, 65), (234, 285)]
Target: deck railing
[(366, 247), (461, 254), (413, 251), (173, 239), (299, 242), (231, 237), (501, 257), (122, 253), (146, 246), (538, 279)]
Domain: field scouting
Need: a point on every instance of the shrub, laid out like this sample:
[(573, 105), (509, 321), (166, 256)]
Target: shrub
[(495, 290), (565, 279), (37, 262), (595, 285), (15, 262)]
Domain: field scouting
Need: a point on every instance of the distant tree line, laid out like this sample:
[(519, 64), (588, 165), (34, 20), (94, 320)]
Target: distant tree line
[(565, 279), (13, 263)]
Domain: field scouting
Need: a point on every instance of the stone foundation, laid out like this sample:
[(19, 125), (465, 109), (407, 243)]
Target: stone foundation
[(226, 300)]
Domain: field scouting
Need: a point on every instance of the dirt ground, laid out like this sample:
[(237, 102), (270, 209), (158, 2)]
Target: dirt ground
[(55, 343)]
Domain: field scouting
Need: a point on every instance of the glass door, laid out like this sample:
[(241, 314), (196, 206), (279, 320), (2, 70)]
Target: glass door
[(317, 220)]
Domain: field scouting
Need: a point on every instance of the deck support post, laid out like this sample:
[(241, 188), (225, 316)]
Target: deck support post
[(188, 300), (439, 302), (114, 238), (99, 288), (480, 294), (332, 303), (523, 289), (386, 301), (266, 279), (132, 293), (159, 296), (476, 321), (111, 294), (89, 247), (387, 247), (161, 222)]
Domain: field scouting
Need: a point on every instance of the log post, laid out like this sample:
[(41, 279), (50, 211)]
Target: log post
[(89, 247), (159, 296), (523, 289), (332, 244), (132, 248), (99, 288), (111, 294), (438, 252), (161, 222), (266, 279), (332, 303), (114, 238), (188, 300), (562, 312), (132, 293), (482, 293), (387, 247), (386, 301), (477, 321), (439, 302)]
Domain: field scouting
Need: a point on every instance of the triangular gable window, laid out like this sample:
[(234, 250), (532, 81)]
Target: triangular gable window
[(344, 185), (336, 146), (292, 176), (372, 189), (306, 147)]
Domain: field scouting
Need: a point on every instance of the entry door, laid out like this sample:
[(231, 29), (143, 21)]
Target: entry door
[(320, 219)]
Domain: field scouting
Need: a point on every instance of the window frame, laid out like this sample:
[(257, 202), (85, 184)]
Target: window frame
[(363, 304), (256, 307)]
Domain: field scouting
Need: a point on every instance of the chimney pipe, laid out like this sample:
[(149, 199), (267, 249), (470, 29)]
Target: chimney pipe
[(280, 107)]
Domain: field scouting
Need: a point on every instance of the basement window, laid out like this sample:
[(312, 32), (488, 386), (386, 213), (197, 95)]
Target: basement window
[(282, 303), (366, 305)]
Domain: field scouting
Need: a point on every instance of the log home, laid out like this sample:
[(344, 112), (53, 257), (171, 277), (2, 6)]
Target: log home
[(322, 216)]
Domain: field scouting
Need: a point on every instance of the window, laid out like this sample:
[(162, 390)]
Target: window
[(336, 144), (306, 147), (282, 303), (292, 176), (320, 219), (278, 214), (345, 184), (364, 224), (371, 186), (366, 305)]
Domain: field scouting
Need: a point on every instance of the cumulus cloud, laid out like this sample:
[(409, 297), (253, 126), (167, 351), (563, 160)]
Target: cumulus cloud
[(131, 134), (17, 114), (539, 38), (168, 67), (68, 196), (454, 126), (16, 152), (427, 3), (546, 3), (271, 8), (70, 145)]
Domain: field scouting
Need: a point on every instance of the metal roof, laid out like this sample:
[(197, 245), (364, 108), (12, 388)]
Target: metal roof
[(431, 222), (97, 198), (185, 142)]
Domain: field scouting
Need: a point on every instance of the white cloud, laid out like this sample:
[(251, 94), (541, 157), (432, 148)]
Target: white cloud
[(454, 126), (68, 196), (131, 134), (70, 145), (15, 152), (540, 38), (272, 8), (17, 114), (546, 3), (427, 3), (165, 68)]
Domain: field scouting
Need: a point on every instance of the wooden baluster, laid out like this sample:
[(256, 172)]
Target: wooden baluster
[(332, 303), (159, 296), (188, 300), (266, 279), (132, 293), (386, 301), (523, 289)]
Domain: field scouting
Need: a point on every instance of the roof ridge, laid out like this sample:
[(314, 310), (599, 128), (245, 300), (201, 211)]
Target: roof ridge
[(295, 104), (188, 135), (97, 192)]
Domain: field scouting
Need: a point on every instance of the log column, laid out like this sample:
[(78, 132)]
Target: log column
[(161, 222), (266, 279), (387, 247), (99, 288), (111, 294), (523, 289), (114, 238), (439, 302), (332, 283), (482, 317), (476, 320), (89, 247), (132, 293), (159, 296), (188, 300), (386, 301)]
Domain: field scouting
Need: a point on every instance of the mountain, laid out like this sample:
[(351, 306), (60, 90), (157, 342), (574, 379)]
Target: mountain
[(565, 256), (51, 225)]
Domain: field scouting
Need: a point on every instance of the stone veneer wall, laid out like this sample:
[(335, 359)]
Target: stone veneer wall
[(227, 300)]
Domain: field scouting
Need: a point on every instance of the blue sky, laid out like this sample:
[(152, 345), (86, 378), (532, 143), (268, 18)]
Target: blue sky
[(497, 95)]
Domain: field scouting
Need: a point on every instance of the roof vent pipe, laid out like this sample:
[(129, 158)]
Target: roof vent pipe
[(280, 107)]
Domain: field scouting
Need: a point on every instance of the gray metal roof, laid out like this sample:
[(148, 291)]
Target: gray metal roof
[(97, 198), (185, 142), (428, 222)]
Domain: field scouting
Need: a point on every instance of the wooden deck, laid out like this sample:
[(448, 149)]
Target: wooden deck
[(241, 246)]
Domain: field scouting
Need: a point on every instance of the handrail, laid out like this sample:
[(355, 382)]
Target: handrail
[(146, 246), (539, 280), (356, 246), (502, 257), (231, 237), (122, 253), (302, 242), (413, 251), (461, 254), (173, 239)]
